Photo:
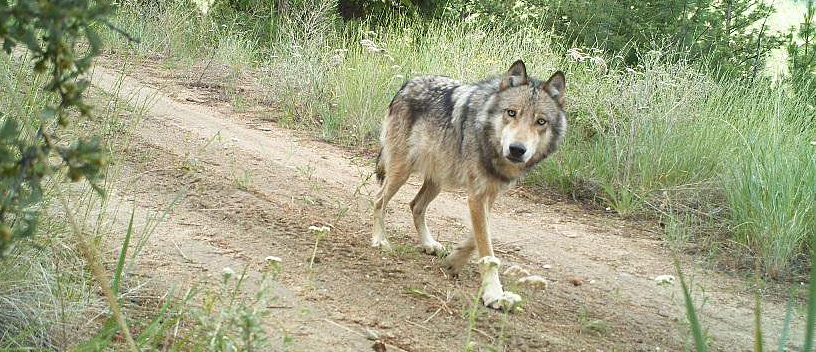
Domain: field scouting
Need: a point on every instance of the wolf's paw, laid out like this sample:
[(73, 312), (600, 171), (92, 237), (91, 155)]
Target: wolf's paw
[(454, 263), (500, 300), (380, 242), (433, 247)]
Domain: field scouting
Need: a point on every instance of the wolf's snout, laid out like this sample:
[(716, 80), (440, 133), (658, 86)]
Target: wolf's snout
[(517, 151)]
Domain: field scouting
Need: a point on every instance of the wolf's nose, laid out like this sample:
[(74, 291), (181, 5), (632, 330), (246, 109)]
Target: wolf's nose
[(517, 150)]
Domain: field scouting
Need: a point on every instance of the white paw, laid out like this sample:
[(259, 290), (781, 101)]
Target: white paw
[(500, 300), (380, 242), (433, 247)]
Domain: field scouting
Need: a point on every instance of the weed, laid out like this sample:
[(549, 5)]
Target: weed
[(230, 320), (591, 325), (243, 179), (318, 232)]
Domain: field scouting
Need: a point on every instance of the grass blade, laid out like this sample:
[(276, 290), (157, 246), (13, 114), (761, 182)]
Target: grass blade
[(811, 312), (758, 345), (691, 313), (120, 264), (783, 336)]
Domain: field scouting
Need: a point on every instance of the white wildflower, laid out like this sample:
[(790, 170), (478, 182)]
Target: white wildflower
[(321, 229), (227, 273), (489, 261), (371, 46), (516, 270), (534, 281), (664, 279)]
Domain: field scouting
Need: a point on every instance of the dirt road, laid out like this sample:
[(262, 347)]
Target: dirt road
[(249, 189)]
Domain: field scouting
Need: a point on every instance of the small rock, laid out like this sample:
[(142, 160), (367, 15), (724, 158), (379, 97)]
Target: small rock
[(576, 281), (378, 346), (371, 334), (547, 266)]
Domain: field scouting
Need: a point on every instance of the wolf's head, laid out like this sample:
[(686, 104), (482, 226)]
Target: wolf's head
[(528, 117)]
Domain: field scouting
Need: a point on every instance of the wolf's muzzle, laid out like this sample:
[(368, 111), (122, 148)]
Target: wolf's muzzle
[(517, 151)]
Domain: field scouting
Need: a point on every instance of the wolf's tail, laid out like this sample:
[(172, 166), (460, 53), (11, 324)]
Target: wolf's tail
[(379, 168)]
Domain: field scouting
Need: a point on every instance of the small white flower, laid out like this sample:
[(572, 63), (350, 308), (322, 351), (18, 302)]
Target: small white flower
[(516, 270), (664, 279), (227, 273), (490, 261), (321, 229), (533, 280)]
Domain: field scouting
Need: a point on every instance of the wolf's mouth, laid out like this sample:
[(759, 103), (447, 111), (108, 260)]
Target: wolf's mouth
[(514, 159)]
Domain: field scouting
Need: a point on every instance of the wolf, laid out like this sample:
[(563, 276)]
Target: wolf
[(480, 137)]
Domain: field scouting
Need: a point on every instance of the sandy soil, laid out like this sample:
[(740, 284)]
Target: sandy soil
[(247, 189)]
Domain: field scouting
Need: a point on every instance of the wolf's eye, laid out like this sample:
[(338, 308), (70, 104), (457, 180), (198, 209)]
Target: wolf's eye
[(541, 122), (511, 112)]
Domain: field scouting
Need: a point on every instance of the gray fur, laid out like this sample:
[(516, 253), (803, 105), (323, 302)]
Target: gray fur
[(481, 137)]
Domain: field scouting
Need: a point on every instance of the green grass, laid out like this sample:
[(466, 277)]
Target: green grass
[(664, 139), (725, 160)]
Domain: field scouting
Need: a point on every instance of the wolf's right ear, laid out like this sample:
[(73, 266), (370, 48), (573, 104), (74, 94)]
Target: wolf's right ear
[(515, 76)]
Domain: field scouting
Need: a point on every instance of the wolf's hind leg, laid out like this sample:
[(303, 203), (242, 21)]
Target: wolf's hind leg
[(394, 179), (426, 194)]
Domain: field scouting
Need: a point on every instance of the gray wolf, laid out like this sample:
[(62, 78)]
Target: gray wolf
[(479, 137)]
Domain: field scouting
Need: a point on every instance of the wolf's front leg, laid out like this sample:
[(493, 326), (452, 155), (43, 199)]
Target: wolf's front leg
[(493, 295)]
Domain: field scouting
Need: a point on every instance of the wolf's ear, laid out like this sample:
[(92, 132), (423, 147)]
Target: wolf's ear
[(556, 87), (515, 76)]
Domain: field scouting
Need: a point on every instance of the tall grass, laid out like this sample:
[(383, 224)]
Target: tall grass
[(663, 139)]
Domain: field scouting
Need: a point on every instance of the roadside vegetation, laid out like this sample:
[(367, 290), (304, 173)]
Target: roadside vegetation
[(719, 153), (682, 126)]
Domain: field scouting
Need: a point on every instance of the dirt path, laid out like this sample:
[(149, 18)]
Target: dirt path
[(250, 189)]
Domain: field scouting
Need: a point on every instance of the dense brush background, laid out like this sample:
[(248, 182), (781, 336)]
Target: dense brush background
[(699, 114)]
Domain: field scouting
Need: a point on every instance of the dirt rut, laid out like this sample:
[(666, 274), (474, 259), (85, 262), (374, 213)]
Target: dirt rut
[(250, 189)]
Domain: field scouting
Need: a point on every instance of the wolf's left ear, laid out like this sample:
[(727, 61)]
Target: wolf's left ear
[(515, 76), (556, 87)]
